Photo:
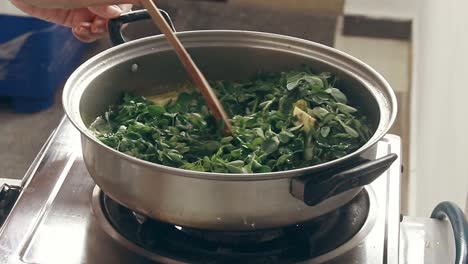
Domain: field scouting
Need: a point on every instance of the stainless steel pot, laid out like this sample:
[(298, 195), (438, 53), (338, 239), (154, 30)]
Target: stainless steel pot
[(216, 201)]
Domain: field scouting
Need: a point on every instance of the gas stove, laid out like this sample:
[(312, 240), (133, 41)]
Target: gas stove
[(61, 216)]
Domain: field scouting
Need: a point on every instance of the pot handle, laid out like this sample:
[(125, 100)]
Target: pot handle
[(115, 24), (315, 189)]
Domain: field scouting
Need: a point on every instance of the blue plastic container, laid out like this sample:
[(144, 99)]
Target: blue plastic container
[(36, 57)]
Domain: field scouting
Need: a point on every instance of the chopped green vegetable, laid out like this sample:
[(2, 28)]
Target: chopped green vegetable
[(282, 121)]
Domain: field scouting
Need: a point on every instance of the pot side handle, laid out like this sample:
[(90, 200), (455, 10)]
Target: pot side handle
[(315, 189), (115, 25)]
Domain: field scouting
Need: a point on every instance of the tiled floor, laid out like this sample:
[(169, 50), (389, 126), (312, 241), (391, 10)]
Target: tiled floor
[(22, 136)]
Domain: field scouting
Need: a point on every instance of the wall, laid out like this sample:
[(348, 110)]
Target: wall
[(318, 6), (382, 8), (439, 118), (441, 114)]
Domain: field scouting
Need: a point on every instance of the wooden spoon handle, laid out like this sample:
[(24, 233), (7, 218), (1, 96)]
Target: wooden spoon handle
[(214, 105)]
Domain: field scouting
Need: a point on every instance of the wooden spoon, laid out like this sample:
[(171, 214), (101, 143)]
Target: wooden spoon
[(213, 103)]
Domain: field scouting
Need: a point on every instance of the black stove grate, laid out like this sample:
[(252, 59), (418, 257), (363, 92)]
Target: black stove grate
[(8, 196), (288, 245)]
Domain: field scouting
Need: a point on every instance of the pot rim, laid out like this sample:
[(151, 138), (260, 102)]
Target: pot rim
[(74, 115)]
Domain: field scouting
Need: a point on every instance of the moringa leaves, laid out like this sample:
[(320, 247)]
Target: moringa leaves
[(282, 121)]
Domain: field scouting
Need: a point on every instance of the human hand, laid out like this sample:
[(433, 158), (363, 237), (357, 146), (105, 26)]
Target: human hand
[(88, 23), (75, 3)]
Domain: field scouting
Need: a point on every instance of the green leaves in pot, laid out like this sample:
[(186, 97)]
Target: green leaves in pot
[(282, 121)]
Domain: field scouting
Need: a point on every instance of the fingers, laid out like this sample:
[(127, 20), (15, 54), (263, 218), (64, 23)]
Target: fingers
[(110, 11), (75, 4), (89, 32), (98, 28), (90, 29), (83, 33), (126, 7), (94, 26), (88, 24)]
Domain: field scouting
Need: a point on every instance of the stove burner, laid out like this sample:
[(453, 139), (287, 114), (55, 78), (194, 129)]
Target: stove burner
[(283, 245), (234, 238)]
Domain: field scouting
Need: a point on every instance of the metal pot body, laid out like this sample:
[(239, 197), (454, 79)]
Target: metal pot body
[(215, 201)]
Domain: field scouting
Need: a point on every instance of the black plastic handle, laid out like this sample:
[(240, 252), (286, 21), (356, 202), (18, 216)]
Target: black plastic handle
[(450, 211), (315, 189), (115, 25)]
